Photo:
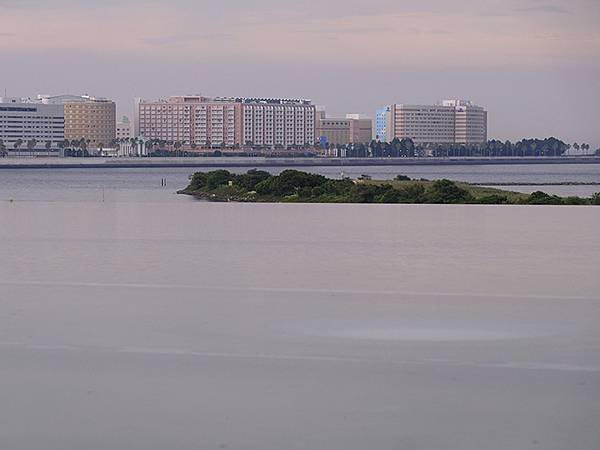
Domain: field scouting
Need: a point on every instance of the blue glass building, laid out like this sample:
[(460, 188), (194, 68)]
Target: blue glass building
[(381, 119)]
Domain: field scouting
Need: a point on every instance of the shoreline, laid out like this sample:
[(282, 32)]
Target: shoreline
[(256, 162)]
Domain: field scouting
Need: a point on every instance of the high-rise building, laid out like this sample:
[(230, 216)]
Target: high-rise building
[(170, 120), (353, 129), (278, 122), (228, 122), (218, 124), (470, 122), (25, 121), (86, 117), (91, 119), (452, 121), (381, 120)]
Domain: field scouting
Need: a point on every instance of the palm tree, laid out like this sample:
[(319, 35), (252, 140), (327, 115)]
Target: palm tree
[(17, 146), (31, 143), (177, 146), (150, 146), (134, 143), (584, 148)]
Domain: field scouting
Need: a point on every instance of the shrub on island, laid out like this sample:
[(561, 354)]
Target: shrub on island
[(296, 186)]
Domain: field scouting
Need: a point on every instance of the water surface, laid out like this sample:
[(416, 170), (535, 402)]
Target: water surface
[(152, 321)]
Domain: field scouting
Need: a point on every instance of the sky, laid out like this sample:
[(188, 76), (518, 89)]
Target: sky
[(534, 64)]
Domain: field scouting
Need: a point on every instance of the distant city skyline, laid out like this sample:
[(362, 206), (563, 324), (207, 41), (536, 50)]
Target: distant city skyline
[(534, 64)]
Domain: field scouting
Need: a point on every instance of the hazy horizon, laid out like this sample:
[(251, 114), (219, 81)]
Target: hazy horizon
[(534, 64)]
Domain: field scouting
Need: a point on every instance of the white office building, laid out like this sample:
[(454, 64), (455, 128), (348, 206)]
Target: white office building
[(25, 121), (278, 122), (124, 129)]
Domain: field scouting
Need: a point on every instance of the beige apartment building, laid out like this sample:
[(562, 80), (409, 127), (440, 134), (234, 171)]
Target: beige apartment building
[(354, 129), (90, 118), (470, 122), (86, 117), (167, 120), (452, 121), (217, 124)]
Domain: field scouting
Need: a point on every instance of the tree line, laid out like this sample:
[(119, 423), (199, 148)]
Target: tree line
[(406, 148), (397, 148)]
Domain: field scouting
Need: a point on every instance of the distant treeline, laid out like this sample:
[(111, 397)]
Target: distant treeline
[(406, 148)]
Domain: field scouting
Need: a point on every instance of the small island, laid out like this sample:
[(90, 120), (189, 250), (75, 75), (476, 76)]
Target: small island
[(294, 186)]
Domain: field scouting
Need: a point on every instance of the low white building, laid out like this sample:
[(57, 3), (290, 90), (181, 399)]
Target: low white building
[(124, 129)]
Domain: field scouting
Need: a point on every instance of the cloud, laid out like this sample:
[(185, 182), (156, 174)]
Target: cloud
[(185, 38), (428, 33), (546, 8)]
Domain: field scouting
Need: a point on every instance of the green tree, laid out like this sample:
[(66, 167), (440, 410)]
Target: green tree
[(446, 191), (31, 143), (413, 193), (541, 198), (17, 146), (289, 182), (249, 180), (177, 146), (218, 178)]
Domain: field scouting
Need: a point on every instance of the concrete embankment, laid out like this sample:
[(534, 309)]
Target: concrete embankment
[(208, 162)]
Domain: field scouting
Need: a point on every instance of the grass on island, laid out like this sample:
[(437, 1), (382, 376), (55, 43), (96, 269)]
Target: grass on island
[(302, 187)]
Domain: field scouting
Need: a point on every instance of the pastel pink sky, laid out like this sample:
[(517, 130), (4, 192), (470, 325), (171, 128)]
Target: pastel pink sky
[(535, 64)]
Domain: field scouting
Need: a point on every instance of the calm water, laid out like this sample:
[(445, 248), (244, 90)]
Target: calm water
[(132, 184), (153, 321)]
